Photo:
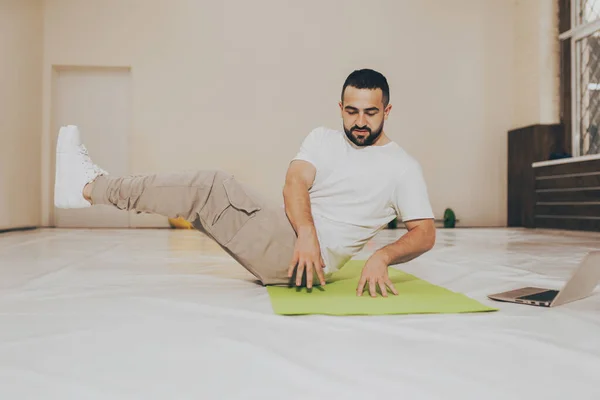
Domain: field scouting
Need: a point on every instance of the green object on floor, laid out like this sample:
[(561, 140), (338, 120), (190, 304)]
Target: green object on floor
[(449, 218), (338, 297)]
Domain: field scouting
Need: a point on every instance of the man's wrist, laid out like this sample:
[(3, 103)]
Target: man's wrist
[(306, 230), (384, 255)]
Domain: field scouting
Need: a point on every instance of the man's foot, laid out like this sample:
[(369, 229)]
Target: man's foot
[(74, 170)]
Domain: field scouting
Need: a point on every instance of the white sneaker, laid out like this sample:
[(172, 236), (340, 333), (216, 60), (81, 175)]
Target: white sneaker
[(74, 170)]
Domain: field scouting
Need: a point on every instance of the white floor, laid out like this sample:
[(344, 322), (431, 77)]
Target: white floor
[(163, 314)]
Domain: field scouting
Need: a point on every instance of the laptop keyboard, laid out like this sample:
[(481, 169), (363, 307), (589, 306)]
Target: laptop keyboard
[(548, 295)]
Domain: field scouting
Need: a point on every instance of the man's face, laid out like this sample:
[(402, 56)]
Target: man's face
[(363, 115)]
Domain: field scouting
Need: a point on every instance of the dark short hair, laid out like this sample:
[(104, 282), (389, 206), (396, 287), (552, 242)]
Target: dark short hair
[(368, 79)]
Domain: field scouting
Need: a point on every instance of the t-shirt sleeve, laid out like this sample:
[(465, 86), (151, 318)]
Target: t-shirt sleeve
[(411, 197), (311, 148)]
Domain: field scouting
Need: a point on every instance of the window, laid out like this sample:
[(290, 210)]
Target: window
[(584, 46)]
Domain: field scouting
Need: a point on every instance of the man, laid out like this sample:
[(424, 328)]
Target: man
[(340, 190)]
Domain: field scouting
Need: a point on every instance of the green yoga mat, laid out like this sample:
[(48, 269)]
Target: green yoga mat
[(338, 297)]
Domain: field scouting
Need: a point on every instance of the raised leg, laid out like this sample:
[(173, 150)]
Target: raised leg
[(259, 236), (256, 234)]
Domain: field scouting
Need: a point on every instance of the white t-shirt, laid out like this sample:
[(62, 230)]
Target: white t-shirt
[(358, 191)]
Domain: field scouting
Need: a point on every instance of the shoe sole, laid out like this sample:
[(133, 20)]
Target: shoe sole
[(68, 139)]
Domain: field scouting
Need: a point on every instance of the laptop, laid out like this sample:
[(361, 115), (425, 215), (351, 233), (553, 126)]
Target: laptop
[(580, 285)]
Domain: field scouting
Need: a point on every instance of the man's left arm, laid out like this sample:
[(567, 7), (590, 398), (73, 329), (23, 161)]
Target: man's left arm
[(412, 204), (419, 239)]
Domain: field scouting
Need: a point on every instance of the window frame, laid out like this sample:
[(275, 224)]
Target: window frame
[(571, 33)]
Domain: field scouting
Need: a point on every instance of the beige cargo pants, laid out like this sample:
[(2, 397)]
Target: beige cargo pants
[(257, 235)]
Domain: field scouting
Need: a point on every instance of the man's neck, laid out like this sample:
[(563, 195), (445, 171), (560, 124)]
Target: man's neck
[(382, 140)]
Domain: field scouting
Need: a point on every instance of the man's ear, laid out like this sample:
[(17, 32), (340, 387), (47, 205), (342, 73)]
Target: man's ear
[(387, 110)]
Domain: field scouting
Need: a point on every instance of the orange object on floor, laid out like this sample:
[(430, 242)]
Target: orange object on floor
[(180, 223)]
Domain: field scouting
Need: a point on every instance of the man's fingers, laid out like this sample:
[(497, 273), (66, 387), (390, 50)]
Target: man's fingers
[(309, 274), (320, 273), (389, 283), (382, 283), (299, 272), (303, 266), (361, 286), (372, 287)]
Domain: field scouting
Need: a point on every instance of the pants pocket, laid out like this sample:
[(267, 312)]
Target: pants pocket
[(235, 209), (265, 245)]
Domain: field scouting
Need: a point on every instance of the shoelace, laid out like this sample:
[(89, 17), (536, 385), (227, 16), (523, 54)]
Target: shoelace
[(84, 152)]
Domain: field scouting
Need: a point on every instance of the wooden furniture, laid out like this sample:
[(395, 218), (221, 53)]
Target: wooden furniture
[(526, 146), (567, 193)]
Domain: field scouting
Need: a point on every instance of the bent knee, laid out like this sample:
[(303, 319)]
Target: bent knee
[(220, 176)]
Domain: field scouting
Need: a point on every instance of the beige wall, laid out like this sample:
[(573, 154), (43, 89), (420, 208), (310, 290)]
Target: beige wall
[(536, 63), (20, 112), (238, 84)]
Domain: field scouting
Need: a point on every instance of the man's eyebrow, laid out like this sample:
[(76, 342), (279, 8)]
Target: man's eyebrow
[(366, 109)]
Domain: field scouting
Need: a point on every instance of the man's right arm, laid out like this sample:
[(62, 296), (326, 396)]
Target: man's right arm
[(298, 180), (307, 253)]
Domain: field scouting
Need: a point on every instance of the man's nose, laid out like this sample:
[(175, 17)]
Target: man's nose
[(361, 121)]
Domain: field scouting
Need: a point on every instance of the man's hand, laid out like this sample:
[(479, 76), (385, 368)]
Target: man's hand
[(307, 257), (419, 239), (307, 252), (375, 274)]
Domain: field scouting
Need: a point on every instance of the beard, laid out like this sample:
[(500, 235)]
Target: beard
[(367, 140)]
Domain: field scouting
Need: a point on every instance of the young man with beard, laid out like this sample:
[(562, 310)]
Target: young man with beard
[(340, 190)]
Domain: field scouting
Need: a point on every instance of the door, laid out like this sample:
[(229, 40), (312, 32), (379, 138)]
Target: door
[(98, 101)]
